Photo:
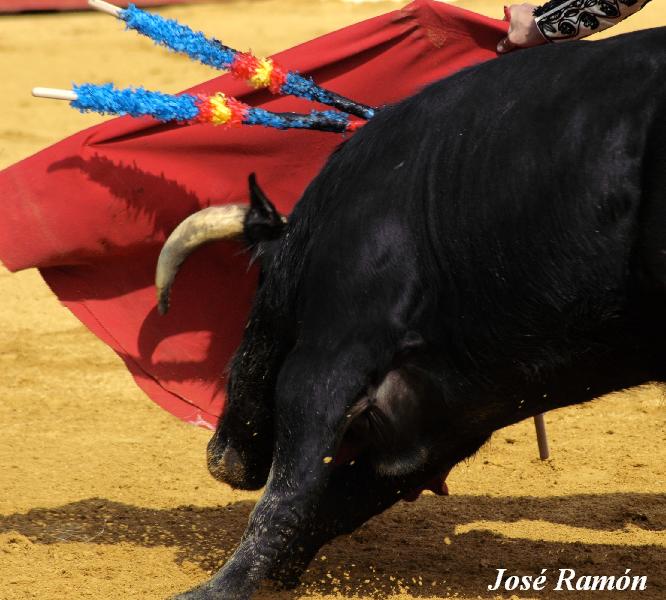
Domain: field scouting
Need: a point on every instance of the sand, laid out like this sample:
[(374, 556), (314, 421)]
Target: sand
[(103, 494)]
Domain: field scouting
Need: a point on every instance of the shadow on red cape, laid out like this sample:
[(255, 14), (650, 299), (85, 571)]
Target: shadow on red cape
[(93, 210)]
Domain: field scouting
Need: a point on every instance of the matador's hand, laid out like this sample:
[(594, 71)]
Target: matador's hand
[(523, 31)]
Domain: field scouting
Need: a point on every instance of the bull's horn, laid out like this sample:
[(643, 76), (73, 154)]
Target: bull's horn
[(207, 225)]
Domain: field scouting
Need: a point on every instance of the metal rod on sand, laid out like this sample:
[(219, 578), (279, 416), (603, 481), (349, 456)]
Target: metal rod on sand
[(542, 436)]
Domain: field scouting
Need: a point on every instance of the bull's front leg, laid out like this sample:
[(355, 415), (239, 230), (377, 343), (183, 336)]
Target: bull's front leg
[(353, 496), (313, 391), (356, 492)]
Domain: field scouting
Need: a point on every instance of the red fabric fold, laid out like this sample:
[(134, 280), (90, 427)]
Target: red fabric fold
[(93, 210)]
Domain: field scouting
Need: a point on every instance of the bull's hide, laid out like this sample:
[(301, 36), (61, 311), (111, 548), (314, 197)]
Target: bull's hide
[(93, 210)]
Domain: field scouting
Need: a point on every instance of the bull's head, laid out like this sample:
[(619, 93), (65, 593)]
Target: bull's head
[(327, 406), (240, 452)]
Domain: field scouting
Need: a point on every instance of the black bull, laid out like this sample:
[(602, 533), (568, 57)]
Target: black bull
[(488, 249)]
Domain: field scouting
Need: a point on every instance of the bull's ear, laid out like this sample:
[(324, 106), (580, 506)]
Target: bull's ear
[(262, 222)]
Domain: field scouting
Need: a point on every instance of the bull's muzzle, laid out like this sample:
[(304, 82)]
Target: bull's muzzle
[(228, 465)]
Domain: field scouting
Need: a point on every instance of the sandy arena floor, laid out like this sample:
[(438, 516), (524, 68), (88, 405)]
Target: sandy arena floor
[(104, 495)]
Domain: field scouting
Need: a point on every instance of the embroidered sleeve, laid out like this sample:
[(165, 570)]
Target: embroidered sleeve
[(560, 20)]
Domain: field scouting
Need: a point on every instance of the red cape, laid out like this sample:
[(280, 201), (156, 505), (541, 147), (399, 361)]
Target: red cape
[(93, 210)]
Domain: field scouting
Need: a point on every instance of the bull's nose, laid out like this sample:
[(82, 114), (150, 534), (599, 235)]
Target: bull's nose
[(240, 467), (226, 466)]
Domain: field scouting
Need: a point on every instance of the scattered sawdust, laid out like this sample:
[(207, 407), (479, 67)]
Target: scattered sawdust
[(525, 529), (105, 495)]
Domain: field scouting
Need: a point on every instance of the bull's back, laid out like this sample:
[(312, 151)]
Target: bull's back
[(504, 138), (507, 195)]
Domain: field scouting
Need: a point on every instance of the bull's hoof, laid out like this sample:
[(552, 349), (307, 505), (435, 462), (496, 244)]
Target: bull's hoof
[(207, 591), (287, 573), (197, 593), (286, 579)]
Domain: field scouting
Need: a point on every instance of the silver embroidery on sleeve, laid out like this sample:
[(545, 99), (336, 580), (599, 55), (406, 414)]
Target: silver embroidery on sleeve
[(574, 19)]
